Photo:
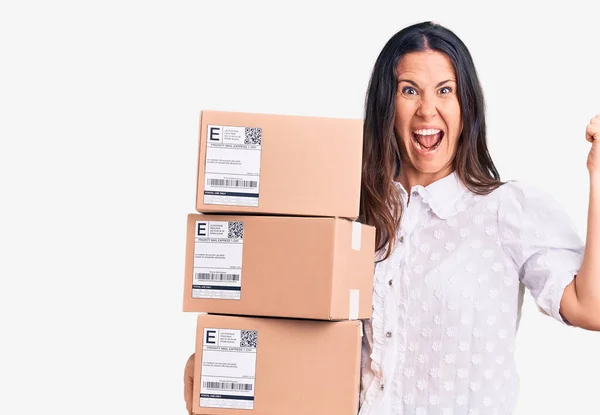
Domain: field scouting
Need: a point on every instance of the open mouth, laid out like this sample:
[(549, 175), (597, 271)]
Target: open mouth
[(427, 141)]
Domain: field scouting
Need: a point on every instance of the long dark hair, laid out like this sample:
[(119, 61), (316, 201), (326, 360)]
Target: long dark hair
[(472, 163)]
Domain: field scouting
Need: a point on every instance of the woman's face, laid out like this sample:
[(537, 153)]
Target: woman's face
[(428, 119)]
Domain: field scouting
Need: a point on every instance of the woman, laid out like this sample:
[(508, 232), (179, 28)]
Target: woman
[(455, 244)]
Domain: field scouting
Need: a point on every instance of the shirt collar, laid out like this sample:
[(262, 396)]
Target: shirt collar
[(443, 195)]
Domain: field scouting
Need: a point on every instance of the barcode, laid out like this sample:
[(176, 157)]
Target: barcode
[(217, 276), (228, 386), (249, 338), (253, 136), (232, 183)]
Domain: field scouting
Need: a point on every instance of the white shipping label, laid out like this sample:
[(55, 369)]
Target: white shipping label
[(232, 170), (228, 372), (218, 251)]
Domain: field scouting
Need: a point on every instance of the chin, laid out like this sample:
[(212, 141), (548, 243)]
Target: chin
[(430, 167)]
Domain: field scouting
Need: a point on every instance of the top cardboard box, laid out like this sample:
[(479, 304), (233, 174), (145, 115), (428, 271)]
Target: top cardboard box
[(279, 165)]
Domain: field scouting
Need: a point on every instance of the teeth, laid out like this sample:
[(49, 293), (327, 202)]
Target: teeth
[(427, 132)]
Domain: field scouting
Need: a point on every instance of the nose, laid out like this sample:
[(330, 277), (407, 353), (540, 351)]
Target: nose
[(427, 107)]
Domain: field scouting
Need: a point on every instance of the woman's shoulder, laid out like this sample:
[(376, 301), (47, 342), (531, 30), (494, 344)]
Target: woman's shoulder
[(523, 194), (522, 188), (521, 203), (513, 196)]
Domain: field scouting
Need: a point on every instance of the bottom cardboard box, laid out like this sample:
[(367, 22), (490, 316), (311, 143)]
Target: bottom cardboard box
[(275, 366)]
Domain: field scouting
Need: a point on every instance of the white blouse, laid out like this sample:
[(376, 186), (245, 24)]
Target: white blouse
[(447, 303)]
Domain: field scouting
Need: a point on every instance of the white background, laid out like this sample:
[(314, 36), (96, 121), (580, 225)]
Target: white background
[(99, 105)]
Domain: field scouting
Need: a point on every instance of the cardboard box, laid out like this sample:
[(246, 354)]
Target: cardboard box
[(279, 164), (279, 266), (269, 366)]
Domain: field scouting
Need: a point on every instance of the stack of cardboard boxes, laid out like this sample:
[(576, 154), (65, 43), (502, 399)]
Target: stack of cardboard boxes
[(277, 266)]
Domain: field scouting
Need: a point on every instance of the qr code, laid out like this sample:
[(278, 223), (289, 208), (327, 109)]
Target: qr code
[(236, 230), (253, 136), (249, 338)]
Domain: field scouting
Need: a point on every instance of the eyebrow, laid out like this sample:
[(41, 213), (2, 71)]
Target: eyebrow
[(417, 85)]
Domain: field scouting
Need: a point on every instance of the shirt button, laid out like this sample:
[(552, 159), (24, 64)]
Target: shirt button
[(388, 334), (390, 282), (402, 239), (381, 387), (415, 193)]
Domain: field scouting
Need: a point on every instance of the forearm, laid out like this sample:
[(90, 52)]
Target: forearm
[(587, 283)]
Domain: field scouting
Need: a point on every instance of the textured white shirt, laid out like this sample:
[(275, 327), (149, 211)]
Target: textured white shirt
[(447, 303)]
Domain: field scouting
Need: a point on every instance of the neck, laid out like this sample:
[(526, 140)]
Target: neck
[(410, 177)]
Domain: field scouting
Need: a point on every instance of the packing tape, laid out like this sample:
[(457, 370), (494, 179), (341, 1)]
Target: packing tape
[(354, 301), (356, 235)]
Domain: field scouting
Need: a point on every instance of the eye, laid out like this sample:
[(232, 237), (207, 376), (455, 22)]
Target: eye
[(445, 90), (409, 90)]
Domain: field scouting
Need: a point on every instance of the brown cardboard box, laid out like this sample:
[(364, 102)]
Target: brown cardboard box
[(270, 366), (279, 266), (279, 164)]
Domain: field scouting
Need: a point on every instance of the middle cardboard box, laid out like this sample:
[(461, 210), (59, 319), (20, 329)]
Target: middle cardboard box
[(318, 268)]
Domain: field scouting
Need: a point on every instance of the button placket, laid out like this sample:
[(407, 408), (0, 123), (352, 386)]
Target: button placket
[(409, 222)]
